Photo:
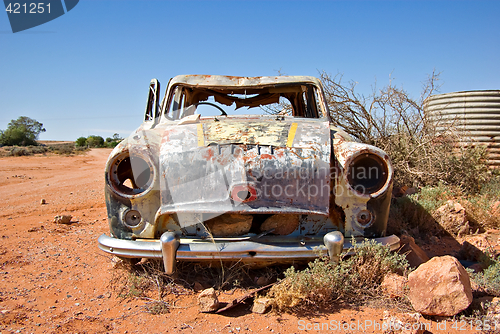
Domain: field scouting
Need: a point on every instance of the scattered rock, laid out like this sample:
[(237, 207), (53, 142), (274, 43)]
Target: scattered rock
[(208, 301), (475, 246), (441, 286), (63, 219), (476, 267), (394, 285), (452, 217), (261, 305), (464, 230), (229, 225), (414, 254), (434, 240), (406, 323), (42, 201), (198, 286), (282, 224)]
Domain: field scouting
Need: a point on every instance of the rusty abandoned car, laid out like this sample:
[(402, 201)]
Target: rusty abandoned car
[(213, 175)]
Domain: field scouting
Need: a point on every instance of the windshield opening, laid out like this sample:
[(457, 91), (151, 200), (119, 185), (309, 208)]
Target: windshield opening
[(299, 100)]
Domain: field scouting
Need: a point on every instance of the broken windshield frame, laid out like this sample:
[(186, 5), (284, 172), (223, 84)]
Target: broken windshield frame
[(297, 100)]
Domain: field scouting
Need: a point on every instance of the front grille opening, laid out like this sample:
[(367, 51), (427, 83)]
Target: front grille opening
[(237, 225), (252, 254)]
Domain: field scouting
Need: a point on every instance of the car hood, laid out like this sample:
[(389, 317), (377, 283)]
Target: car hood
[(283, 164)]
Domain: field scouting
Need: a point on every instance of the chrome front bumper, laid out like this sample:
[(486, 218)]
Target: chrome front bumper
[(267, 249)]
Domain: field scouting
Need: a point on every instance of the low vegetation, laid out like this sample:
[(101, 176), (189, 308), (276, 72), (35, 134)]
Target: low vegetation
[(354, 279), (57, 148), (488, 280), (414, 214), (147, 280), (98, 142)]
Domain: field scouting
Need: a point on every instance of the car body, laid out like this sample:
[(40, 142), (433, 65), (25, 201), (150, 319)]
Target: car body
[(204, 178)]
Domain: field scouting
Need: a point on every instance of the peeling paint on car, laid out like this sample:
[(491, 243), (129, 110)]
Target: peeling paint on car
[(188, 181)]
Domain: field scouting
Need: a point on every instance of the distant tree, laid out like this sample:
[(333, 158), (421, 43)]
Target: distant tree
[(81, 142), (95, 141), (112, 142), (23, 131)]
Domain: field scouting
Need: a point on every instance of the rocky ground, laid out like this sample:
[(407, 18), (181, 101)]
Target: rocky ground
[(54, 279)]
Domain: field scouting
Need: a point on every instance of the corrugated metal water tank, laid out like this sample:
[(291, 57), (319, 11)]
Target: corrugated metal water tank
[(475, 114)]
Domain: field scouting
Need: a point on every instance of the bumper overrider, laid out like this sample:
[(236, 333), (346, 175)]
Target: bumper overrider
[(263, 250)]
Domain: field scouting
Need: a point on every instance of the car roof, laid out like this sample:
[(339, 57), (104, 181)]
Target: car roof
[(232, 81)]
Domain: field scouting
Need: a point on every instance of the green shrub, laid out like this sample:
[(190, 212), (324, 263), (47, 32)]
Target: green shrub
[(354, 278), (95, 141), (489, 279), (81, 142), (432, 197)]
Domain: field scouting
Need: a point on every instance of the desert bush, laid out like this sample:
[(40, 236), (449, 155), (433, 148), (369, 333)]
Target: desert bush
[(95, 141), (397, 123), (81, 142), (98, 141), (489, 279), (432, 197), (65, 148), (19, 151), (413, 214), (355, 278), (16, 151)]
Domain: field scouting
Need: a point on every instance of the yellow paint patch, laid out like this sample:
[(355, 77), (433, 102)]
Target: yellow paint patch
[(291, 134), (201, 137)]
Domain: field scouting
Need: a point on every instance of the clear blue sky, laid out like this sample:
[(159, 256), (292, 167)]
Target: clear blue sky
[(87, 72)]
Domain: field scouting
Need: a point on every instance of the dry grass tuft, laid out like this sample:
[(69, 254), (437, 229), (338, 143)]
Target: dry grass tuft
[(355, 279)]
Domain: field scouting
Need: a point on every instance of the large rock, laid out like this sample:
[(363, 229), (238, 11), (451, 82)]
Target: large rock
[(208, 301), (230, 224), (394, 285), (414, 254), (453, 218), (282, 224), (441, 286)]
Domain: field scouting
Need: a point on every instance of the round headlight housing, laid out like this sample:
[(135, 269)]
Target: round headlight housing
[(367, 173), (130, 175)]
